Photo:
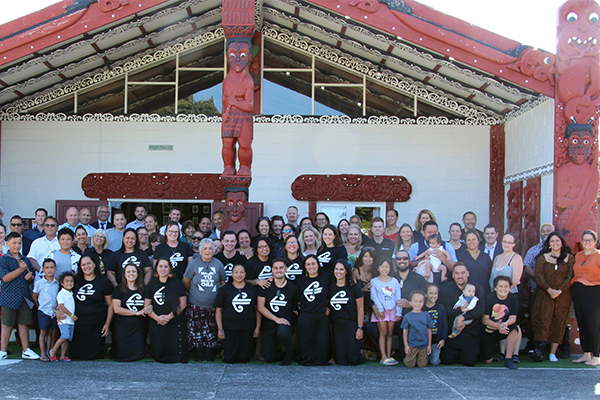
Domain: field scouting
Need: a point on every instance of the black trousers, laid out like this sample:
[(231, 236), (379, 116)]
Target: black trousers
[(346, 347), (464, 347), (271, 338), (313, 338), (238, 346), (586, 302)]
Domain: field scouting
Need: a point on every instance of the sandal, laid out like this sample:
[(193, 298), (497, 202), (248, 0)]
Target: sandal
[(65, 359), (390, 361), (53, 359), (44, 359)]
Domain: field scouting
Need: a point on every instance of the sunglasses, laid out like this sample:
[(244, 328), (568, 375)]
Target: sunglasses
[(197, 238)]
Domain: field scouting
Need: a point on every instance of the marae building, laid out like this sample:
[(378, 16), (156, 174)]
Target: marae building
[(427, 111)]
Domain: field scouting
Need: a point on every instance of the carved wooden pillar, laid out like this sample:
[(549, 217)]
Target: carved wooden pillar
[(575, 121), (531, 213), (514, 214), (497, 139)]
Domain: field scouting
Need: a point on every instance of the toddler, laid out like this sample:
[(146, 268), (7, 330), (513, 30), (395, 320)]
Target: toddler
[(466, 300), (66, 304), (431, 268)]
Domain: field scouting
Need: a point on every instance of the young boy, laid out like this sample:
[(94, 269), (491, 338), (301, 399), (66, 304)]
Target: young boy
[(416, 329), (500, 319), (466, 302), (437, 313), (45, 290)]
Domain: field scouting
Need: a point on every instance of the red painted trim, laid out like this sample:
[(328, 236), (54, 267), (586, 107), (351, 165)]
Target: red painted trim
[(389, 205), (312, 209), (497, 152), (63, 29)]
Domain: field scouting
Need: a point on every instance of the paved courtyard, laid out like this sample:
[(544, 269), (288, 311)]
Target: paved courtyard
[(149, 380)]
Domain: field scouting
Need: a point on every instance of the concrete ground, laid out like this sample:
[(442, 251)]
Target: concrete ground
[(149, 380)]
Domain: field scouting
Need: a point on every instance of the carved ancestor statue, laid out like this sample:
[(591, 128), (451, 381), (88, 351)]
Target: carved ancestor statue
[(238, 99), (236, 201), (577, 182)]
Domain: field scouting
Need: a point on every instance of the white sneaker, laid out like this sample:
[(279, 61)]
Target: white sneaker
[(553, 357), (3, 355), (30, 354)]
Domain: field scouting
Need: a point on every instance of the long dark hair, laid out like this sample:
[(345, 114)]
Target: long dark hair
[(170, 292), (284, 252), (349, 279), (308, 257), (337, 241), (136, 246), (375, 267), (564, 251), (79, 279), (139, 281), (359, 260)]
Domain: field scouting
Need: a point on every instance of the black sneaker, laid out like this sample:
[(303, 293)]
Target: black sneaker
[(509, 364), (536, 355)]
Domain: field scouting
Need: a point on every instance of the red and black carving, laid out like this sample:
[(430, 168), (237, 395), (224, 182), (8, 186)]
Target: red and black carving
[(531, 213), (514, 213), (497, 152), (351, 188)]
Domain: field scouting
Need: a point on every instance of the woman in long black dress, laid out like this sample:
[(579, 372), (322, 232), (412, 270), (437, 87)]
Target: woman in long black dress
[(168, 333), (93, 305), (331, 250), (238, 320), (347, 315), (313, 324), (129, 329)]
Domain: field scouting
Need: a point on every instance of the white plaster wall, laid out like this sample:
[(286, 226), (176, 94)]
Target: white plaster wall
[(530, 144), (448, 166)]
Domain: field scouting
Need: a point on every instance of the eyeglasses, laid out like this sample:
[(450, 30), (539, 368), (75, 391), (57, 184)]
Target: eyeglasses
[(51, 225), (263, 247), (321, 219), (293, 243), (368, 249), (175, 232), (505, 242), (197, 238), (142, 234)]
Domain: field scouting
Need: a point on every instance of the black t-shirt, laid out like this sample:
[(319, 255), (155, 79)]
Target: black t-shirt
[(119, 260), (158, 292), (133, 300), (256, 269), (328, 256), (239, 306), (295, 269), (229, 263), (279, 301), (383, 249), (313, 293), (342, 301), (90, 304), (177, 255), (102, 260), (500, 310)]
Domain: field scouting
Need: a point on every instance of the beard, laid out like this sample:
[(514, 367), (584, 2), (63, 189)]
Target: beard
[(403, 268)]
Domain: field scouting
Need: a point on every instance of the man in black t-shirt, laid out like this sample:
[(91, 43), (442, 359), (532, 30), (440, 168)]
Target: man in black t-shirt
[(230, 256), (383, 247)]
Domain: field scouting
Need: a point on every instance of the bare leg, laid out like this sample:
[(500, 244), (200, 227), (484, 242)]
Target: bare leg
[(584, 358), (511, 342), (228, 154), (44, 336), (63, 349), (24, 335), (6, 330), (382, 340)]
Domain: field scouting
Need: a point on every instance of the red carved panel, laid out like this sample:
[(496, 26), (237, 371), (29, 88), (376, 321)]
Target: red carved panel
[(577, 103), (497, 150), (514, 214), (110, 5), (531, 213), (351, 188), (154, 186), (444, 34), (238, 18)]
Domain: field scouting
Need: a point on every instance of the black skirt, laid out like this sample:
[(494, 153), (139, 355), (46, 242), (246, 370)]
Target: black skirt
[(88, 343), (128, 338), (169, 342), (313, 338)]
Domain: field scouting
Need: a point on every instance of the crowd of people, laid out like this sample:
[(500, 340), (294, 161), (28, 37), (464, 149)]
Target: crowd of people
[(300, 290)]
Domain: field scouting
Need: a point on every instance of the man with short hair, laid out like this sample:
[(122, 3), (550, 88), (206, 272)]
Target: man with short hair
[(292, 216), (276, 227), (85, 216), (37, 231), (174, 215), (103, 213), (115, 235), (72, 216), (421, 249), (17, 225), (383, 247), (218, 218), (230, 257), (204, 226), (464, 347), (140, 213), (491, 247), (469, 221), (41, 247)]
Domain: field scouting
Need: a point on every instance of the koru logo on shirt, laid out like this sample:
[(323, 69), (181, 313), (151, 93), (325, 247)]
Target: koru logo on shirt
[(84, 291), (176, 258), (265, 273), (239, 301), (159, 296), (131, 260), (228, 270), (278, 301), (134, 302), (293, 271), (324, 258), (311, 290), (338, 299)]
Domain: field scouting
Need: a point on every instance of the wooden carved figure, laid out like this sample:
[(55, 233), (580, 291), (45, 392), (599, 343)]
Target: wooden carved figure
[(236, 203)]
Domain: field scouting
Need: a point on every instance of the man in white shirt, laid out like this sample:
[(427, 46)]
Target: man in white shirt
[(41, 247), (174, 215), (140, 214), (72, 219), (491, 247)]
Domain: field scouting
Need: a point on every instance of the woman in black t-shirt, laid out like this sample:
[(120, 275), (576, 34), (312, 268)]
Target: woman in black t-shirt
[(293, 258), (129, 333), (129, 253), (347, 315), (331, 250), (238, 320), (168, 331), (178, 253), (313, 325)]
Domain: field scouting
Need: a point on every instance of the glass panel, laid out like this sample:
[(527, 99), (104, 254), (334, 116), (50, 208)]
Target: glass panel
[(335, 212)]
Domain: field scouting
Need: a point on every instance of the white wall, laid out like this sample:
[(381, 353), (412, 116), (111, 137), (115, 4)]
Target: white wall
[(530, 144), (448, 166)]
